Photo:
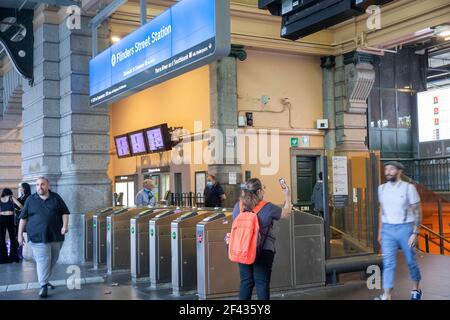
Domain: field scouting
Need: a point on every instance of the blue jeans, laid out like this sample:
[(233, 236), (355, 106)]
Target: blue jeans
[(394, 237), (257, 274)]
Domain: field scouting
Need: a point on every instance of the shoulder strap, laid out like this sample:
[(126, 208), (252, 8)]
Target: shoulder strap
[(259, 206)]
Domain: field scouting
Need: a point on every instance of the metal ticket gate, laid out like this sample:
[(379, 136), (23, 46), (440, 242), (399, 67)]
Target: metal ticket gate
[(87, 232), (299, 259), (159, 246), (139, 240), (184, 256), (118, 238), (99, 236), (217, 276)]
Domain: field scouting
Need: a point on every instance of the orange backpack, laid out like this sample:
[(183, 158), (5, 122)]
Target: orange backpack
[(244, 238)]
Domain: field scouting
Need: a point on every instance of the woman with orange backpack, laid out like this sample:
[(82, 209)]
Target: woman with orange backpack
[(252, 243)]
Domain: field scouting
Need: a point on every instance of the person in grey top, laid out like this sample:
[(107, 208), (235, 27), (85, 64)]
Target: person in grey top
[(145, 197), (258, 274), (317, 196)]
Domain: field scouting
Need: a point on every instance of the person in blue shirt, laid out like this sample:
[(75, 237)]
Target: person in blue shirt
[(145, 197)]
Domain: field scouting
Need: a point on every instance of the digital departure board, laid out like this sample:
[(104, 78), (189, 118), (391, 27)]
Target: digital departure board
[(158, 138), (122, 146), (137, 142)]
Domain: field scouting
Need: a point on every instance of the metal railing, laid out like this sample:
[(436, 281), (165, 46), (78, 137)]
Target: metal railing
[(441, 244), (433, 173), (186, 199)]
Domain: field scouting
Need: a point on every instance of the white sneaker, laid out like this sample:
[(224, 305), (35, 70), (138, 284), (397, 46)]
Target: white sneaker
[(381, 297)]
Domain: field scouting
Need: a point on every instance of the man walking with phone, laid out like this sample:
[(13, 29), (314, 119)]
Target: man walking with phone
[(399, 223), (46, 218)]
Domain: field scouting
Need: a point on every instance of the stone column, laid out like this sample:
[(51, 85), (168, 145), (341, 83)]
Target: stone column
[(41, 113), (224, 115), (63, 137), (354, 77), (84, 137)]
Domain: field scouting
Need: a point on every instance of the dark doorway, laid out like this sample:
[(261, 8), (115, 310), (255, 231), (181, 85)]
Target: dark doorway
[(306, 179), (178, 183)]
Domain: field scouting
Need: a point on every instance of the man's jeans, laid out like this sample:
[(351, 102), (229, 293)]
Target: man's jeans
[(46, 256), (394, 237)]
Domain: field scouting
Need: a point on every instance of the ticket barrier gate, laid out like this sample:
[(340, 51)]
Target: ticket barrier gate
[(118, 238), (160, 246), (299, 260), (139, 241), (99, 236), (88, 233), (217, 276), (184, 260)]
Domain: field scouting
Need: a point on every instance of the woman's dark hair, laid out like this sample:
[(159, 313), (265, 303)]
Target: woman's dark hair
[(26, 188), (249, 194), (6, 192)]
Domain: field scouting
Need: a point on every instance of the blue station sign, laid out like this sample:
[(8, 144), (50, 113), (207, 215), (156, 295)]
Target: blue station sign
[(188, 35)]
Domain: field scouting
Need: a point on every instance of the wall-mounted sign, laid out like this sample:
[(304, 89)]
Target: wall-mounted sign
[(294, 142), (188, 35), (305, 141), (340, 176)]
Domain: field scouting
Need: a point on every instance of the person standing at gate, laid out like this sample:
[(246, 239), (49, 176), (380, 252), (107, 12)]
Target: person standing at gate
[(317, 196), (214, 195), (7, 202), (145, 197), (46, 218), (259, 272), (400, 218)]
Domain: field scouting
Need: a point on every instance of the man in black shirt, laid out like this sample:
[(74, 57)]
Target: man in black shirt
[(46, 218), (213, 193)]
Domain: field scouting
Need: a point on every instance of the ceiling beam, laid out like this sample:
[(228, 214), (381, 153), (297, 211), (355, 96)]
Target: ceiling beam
[(64, 3)]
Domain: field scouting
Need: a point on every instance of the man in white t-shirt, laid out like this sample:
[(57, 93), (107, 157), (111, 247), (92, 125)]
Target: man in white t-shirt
[(399, 223)]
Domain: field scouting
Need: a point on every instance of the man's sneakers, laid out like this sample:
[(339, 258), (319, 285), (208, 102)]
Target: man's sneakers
[(416, 295), (382, 297), (43, 293)]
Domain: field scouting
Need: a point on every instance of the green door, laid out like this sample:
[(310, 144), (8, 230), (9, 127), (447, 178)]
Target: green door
[(306, 179)]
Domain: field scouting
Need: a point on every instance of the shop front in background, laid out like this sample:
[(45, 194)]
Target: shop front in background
[(125, 189), (161, 180)]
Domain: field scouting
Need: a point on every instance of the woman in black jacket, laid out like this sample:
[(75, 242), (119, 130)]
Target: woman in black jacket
[(7, 202)]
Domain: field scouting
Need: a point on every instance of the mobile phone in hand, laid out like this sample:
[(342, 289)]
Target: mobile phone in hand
[(283, 183)]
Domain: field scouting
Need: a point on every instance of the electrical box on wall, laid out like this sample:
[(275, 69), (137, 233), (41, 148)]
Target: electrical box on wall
[(246, 121), (322, 124)]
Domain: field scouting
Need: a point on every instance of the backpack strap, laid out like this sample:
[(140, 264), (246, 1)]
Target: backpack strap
[(259, 206)]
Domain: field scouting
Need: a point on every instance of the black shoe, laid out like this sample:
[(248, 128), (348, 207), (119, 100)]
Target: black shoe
[(52, 287), (43, 293)]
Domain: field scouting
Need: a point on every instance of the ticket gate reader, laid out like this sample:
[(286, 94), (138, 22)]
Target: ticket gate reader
[(184, 257), (99, 236), (88, 233), (139, 241), (217, 276), (118, 238), (160, 246)]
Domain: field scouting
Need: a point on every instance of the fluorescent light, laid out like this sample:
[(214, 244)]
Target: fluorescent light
[(115, 39), (443, 31)]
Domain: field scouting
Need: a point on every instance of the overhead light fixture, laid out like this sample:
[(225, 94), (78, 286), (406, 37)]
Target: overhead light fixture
[(443, 31), (115, 39)]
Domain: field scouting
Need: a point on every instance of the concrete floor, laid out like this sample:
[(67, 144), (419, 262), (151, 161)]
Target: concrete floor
[(98, 286)]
